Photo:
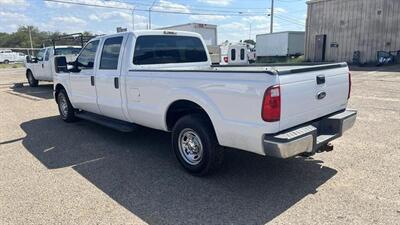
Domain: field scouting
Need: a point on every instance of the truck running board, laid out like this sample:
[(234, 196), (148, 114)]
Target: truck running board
[(107, 122)]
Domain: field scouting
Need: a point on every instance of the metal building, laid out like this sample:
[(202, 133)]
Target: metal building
[(351, 30)]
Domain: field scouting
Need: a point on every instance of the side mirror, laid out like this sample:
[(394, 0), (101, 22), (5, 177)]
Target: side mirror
[(73, 67), (31, 59), (90, 65), (60, 64)]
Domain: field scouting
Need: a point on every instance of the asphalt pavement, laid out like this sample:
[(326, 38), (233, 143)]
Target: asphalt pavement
[(52, 172)]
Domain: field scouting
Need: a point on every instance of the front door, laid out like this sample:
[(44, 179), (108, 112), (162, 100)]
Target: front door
[(108, 85), (82, 81)]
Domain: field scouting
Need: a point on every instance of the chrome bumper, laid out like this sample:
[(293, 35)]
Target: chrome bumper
[(309, 138)]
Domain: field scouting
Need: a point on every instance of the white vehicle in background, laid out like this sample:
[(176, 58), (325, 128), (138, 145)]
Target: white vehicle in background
[(164, 80), (8, 56), (237, 54), (41, 67)]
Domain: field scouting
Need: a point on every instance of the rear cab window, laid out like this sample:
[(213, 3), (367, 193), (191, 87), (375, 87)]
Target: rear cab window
[(233, 54), (110, 53), (242, 54), (67, 51), (162, 49)]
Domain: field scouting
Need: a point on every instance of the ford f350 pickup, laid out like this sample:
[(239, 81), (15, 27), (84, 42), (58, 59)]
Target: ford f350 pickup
[(164, 80)]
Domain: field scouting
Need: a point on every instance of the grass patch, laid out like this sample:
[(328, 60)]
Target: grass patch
[(12, 65)]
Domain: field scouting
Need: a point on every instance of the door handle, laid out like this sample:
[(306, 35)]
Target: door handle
[(116, 82), (320, 79), (92, 80)]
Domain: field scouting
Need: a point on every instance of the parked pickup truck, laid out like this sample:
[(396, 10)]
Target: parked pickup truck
[(164, 80), (41, 67), (7, 56)]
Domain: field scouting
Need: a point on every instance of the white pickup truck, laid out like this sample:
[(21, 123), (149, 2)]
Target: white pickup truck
[(41, 67), (164, 80), (7, 56)]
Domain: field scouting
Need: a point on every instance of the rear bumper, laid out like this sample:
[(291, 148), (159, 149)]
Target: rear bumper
[(308, 138)]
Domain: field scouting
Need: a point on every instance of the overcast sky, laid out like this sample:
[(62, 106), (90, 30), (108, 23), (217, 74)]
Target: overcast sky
[(233, 17)]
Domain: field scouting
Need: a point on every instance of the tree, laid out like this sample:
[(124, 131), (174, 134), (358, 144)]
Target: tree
[(20, 38)]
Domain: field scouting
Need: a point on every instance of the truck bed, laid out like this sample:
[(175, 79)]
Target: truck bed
[(279, 69)]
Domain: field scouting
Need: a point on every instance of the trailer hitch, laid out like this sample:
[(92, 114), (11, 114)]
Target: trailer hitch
[(325, 148)]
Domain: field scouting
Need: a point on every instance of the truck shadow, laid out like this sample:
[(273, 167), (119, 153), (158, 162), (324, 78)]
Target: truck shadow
[(139, 171), (43, 91)]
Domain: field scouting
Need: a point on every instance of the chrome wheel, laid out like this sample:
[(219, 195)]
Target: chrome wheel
[(190, 146), (63, 105)]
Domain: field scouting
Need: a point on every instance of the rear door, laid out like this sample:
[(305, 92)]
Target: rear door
[(308, 95), (38, 66), (108, 77), (46, 72)]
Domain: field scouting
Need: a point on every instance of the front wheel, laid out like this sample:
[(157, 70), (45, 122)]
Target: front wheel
[(67, 112), (31, 79), (195, 145)]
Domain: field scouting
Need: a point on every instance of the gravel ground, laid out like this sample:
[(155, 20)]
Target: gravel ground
[(81, 173)]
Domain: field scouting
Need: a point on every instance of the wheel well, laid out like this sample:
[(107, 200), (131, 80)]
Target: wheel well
[(182, 108), (58, 88), (26, 73)]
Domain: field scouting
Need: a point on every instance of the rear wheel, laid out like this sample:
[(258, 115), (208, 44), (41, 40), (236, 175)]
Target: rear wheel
[(31, 79), (67, 112), (195, 145), (6, 61)]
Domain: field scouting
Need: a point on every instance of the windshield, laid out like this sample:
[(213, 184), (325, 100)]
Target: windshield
[(67, 51)]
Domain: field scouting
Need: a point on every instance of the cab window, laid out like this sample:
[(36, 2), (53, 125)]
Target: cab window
[(110, 53), (160, 49), (86, 59), (40, 54), (47, 55)]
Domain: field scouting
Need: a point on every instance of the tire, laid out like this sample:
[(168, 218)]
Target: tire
[(195, 145), (31, 79), (6, 61), (67, 112)]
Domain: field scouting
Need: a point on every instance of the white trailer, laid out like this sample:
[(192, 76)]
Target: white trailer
[(286, 43), (207, 31)]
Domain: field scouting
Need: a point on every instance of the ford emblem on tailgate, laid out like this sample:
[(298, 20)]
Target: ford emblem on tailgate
[(321, 95)]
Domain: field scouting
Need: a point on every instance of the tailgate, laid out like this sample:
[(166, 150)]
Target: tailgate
[(312, 92)]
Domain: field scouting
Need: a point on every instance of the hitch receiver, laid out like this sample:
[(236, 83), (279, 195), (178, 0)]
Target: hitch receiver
[(325, 148)]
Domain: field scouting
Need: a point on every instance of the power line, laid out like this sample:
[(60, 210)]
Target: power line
[(133, 8), (226, 13)]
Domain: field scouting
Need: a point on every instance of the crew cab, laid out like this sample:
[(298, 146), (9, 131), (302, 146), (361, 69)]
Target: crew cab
[(164, 80), (40, 68)]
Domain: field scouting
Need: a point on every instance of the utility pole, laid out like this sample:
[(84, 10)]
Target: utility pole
[(271, 28), (30, 38), (133, 18), (149, 25), (250, 32)]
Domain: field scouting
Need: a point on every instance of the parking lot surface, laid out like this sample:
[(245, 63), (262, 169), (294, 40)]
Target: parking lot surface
[(82, 173)]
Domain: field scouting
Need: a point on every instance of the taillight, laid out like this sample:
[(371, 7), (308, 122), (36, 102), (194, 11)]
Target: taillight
[(226, 59), (271, 107), (348, 95)]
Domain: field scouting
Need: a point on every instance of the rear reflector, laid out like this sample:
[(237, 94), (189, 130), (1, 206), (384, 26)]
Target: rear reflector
[(226, 59), (348, 95), (271, 107)]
